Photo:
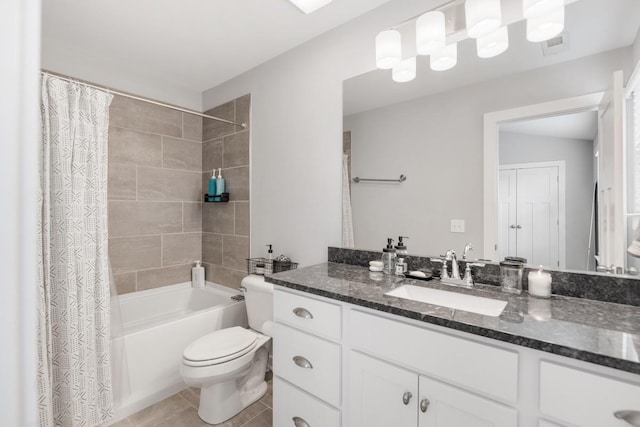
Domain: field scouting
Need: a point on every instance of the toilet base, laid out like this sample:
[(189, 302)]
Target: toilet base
[(223, 400)]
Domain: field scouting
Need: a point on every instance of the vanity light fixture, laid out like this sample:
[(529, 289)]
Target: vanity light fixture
[(308, 6), (404, 71), (493, 44), (444, 59), (482, 16), (388, 49), (430, 32), (545, 27)]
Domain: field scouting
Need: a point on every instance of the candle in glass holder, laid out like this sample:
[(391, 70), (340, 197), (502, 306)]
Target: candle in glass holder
[(540, 284)]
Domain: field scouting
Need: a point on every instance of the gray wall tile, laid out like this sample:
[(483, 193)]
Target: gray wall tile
[(191, 127), (151, 279), (212, 155), (243, 111), (181, 154), (236, 182), (122, 182), (134, 148), (224, 276), (129, 218), (133, 114), (183, 248), (242, 218), (212, 248), (235, 250), (168, 185), (218, 218), (125, 283), (134, 253), (191, 216), (213, 129), (236, 150)]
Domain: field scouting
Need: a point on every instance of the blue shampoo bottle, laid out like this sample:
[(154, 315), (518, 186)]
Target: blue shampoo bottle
[(219, 183), (212, 184)]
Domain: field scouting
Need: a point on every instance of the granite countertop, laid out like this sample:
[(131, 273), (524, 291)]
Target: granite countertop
[(604, 333)]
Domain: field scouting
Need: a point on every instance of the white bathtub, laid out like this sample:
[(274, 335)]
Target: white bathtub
[(157, 325)]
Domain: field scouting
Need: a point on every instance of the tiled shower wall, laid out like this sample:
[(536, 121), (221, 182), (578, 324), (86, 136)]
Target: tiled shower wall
[(155, 195), (225, 226)]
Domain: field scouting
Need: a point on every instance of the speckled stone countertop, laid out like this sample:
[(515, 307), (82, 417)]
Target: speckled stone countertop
[(604, 333)]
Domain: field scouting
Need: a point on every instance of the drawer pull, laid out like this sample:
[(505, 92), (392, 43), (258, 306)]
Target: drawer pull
[(302, 312), (424, 405), (406, 398), (631, 417), (299, 422), (302, 362)]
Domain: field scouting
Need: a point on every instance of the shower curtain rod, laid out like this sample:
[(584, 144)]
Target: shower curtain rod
[(147, 100)]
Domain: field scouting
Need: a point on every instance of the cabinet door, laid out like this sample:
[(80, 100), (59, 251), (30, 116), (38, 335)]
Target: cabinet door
[(444, 406), (381, 394)]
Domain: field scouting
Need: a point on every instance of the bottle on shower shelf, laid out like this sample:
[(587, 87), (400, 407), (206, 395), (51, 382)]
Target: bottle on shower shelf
[(212, 184), (219, 183)]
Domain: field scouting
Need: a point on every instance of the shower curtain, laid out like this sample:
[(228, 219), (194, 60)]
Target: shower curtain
[(74, 365), (347, 219)]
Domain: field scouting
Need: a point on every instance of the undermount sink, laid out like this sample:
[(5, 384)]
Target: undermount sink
[(473, 304)]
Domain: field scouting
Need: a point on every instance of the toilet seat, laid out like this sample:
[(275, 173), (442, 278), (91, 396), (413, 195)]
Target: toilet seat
[(220, 347)]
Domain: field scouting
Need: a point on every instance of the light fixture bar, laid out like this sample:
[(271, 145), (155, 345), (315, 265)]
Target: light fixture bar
[(309, 6)]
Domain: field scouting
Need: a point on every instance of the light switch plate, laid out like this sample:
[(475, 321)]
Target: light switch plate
[(457, 225)]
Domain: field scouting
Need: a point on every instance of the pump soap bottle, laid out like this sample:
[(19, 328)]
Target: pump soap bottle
[(268, 266), (212, 184), (389, 258), (219, 183), (197, 276), (401, 253)]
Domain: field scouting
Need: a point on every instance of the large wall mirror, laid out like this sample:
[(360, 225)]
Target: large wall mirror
[(514, 154)]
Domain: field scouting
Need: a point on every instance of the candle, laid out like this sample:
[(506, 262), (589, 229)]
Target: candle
[(540, 284)]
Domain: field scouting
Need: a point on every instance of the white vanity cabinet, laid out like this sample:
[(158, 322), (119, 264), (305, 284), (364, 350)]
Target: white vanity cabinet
[(382, 394), (366, 368)]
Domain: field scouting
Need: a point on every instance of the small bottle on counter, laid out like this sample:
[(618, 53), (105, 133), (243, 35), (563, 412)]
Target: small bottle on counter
[(401, 267), (197, 276), (389, 258), (268, 265)]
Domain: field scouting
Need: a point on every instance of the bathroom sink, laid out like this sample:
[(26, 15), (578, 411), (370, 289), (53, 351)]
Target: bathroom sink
[(471, 303)]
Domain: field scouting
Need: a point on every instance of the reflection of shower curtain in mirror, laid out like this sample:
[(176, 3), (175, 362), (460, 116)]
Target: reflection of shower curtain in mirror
[(74, 360), (347, 218)]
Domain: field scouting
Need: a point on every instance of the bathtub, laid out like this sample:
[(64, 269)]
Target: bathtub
[(156, 327)]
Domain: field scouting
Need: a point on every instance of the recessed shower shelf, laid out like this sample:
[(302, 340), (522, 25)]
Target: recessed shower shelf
[(222, 198)]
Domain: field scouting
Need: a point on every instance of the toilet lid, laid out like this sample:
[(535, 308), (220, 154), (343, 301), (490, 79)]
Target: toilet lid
[(220, 346)]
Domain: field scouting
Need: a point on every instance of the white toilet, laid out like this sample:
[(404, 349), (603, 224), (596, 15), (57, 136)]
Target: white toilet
[(229, 365)]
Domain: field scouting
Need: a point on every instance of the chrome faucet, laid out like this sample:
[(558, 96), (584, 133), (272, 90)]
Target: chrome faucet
[(455, 271)]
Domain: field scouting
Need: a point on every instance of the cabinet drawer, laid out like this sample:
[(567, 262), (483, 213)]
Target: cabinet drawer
[(481, 368), (584, 398), (308, 362), (308, 314), (290, 403)]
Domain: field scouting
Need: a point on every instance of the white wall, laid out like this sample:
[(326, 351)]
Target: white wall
[(437, 141), (578, 156), (19, 133), (296, 134)]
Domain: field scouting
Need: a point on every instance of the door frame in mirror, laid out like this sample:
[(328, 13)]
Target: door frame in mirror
[(492, 122)]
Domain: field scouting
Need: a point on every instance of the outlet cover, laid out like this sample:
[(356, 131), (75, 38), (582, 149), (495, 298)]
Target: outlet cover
[(457, 225)]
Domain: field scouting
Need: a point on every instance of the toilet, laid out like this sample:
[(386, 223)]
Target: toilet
[(229, 365)]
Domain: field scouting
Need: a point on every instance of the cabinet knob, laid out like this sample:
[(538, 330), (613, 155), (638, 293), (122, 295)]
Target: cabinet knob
[(631, 417), (424, 405), (302, 362), (406, 398), (299, 422), (302, 312), (512, 226)]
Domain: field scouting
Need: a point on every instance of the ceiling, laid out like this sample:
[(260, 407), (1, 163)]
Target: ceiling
[(583, 125), (593, 26), (195, 44)]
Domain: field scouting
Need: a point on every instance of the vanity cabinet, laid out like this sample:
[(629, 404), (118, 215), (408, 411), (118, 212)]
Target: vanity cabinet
[(382, 394)]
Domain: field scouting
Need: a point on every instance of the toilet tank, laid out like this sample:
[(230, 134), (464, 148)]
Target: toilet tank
[(259, 300)]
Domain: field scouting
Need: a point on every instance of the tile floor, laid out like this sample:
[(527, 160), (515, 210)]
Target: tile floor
[(181, 410)]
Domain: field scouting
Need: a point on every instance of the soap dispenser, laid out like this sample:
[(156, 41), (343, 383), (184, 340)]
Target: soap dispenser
[(268, 265), (401, 248), (389, 258), (219, 183), (212, 184)]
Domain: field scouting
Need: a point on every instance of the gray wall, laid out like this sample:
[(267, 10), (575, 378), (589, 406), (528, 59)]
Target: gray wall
[(437, 141), (578, 157)]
